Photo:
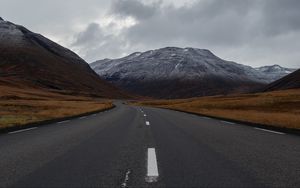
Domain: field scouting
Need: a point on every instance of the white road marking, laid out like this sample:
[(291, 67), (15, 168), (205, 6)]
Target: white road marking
[(205, 117), (94, 114), (145, 115), (23, 130), (64, 121), (124, 184), (266, 130), (83, 117), (228, 122), (147, 123), (152, 169)]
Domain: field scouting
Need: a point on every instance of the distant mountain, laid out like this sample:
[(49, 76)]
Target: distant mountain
[(291, 81), (179, 73), (30, 59), (274, 72)]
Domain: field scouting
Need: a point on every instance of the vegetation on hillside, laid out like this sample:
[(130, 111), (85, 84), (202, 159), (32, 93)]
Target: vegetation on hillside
[(20, 106), (278, 108)]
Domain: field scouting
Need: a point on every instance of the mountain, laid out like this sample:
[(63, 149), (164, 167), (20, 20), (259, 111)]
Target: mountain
[(291, 81), (179, 73), (30, 59), (274, 72)]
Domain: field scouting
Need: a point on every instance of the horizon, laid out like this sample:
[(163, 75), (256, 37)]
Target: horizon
[(252, 33)]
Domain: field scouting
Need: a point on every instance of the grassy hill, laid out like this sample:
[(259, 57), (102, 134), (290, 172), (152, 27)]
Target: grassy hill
[(22, 105), (277, 108)]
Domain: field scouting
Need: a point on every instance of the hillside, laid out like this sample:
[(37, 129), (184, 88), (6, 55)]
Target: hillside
[(277, 108), (291, 81), (30, 59)]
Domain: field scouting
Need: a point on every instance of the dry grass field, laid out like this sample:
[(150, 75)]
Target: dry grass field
[(278, 108), (19, 106)]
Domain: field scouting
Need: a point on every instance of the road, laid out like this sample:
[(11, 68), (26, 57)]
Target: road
[(132, 146)]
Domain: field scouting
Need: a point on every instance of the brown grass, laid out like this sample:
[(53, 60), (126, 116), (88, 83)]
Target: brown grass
[(279, 108), (20, 106)]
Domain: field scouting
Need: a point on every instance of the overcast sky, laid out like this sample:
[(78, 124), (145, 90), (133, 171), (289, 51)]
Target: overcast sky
[(252, 32)]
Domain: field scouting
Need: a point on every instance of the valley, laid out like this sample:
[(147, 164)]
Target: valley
[(166, 117), (275, 109)]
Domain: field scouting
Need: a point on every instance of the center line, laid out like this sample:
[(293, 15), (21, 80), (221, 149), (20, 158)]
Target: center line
[(152, 170), (23, 130), (147, 123), (124, 184), (266, 130)]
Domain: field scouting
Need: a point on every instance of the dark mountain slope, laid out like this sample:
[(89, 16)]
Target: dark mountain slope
[(291, 81), (31, 59)]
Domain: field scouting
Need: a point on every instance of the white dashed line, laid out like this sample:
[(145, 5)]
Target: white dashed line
[(124, 184), (266, 130), (145, 115), (83, 117), (147, 123), (152, 169), (228, 122), (64, 121), (23, 130)]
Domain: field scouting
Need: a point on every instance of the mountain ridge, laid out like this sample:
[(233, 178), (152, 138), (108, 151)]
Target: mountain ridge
[(290, 81), (153, 71), (33, 60)]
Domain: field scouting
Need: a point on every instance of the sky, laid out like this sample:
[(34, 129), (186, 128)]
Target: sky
[(251, 32)]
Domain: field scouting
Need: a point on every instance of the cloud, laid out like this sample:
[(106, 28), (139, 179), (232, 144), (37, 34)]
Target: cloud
[(281, 16), (94, 42), (221, 26), (253, 32), (135, 8)]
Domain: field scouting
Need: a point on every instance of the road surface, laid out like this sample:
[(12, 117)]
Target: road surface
[(147, 147)]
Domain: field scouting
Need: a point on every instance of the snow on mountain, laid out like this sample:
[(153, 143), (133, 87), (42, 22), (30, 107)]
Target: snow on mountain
[(274, 72), (10, 33), (189, 65), (173, 72)]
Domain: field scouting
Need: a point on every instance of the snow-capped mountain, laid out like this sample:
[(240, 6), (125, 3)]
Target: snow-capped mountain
[(29, 59), (179, 72), (274, 72), (291, 81)]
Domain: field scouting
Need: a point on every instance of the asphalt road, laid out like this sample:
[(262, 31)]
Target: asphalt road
[(147, 147)]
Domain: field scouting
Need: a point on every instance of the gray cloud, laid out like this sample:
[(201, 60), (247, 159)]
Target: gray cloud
[(90, 36), (93, 42), (135, 8), (254, 32), (281, 16)]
